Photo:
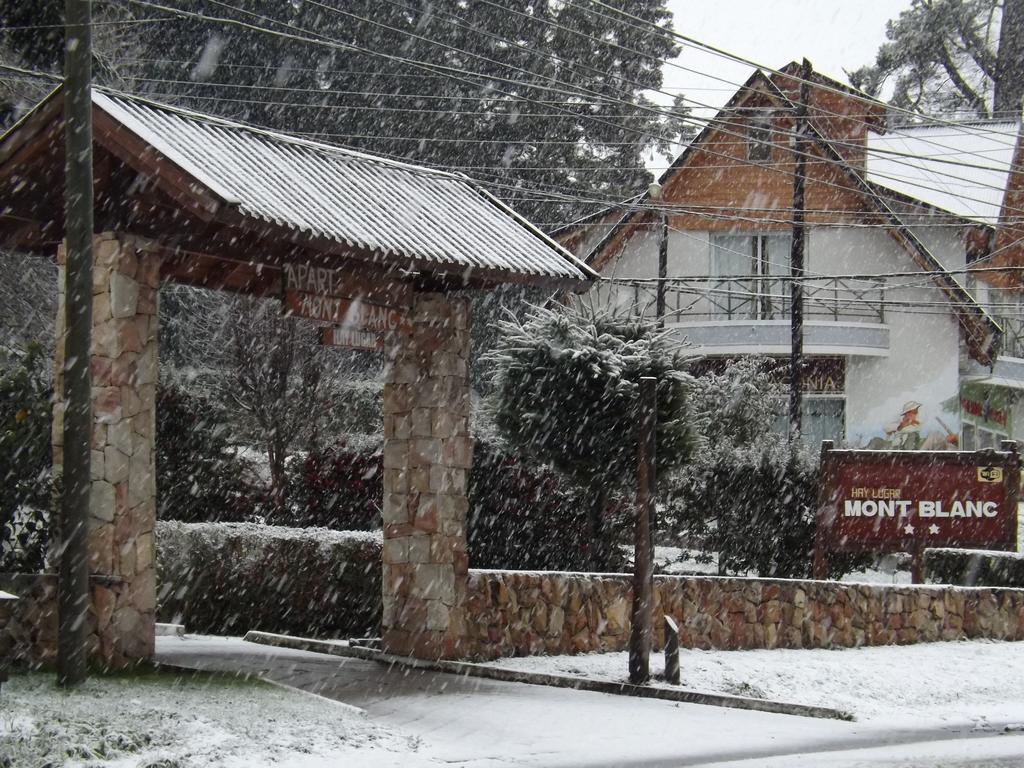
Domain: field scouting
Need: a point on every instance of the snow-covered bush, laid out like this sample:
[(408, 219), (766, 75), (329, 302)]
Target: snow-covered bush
[(736, 498), (339, 488), (199, 477), (523, 516), (26, 492), (974, 568), (566, 385), (227, 578), (740, 504)]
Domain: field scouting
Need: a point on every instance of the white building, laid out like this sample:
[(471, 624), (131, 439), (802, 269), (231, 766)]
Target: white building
[(905, 346)]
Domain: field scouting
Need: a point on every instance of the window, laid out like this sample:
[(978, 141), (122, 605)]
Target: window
[(821, 418), (750, 266), (759, 141)]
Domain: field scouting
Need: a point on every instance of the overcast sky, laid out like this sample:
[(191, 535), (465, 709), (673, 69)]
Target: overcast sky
[(833, 35)]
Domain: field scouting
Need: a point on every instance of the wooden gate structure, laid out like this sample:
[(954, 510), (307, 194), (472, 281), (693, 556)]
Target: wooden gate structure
[(382, 249)]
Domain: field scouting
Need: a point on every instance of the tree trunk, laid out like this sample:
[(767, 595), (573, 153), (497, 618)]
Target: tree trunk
[(598, 544), (1009, 81), (278, 480)]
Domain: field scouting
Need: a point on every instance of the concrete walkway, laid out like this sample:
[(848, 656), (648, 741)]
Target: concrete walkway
[(476, 722)]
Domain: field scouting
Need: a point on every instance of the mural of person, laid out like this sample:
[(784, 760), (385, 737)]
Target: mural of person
[(906, 433)]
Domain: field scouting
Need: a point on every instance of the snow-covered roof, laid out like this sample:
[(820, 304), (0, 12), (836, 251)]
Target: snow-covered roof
[(347, 197), (962, 169)]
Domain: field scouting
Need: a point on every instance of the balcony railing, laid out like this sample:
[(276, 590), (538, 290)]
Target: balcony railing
[(1013, 336), (764, 298)]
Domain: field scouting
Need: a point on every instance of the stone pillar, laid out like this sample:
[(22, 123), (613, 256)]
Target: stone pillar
[(123, 366), (427, 456)]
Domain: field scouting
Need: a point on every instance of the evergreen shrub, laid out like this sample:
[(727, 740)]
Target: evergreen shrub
[(200, 478), (526, 517), (340, 488), (26, 461), (228, 578), (974, 568)]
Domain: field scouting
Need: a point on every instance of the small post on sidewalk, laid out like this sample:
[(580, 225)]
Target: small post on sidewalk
[(672, 676), (643, 555)]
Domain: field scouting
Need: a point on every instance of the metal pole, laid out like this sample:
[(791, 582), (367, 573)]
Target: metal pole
[(73, 599), (662, 269), (796, 260), (641, 631)]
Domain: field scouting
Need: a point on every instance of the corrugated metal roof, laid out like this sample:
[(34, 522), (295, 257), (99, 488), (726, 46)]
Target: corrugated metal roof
[(962, 169), (348, 197)]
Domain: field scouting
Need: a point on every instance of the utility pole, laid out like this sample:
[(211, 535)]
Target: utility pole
[(654, 191), (796, 258), (73, 591), (642, 629)]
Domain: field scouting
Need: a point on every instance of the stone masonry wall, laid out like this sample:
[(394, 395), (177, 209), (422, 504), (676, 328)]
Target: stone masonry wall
[(427, 456), (123, 366), (28, 627), (524, 613)]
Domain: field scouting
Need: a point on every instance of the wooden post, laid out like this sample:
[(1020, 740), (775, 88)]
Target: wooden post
[(643, 556), (672, 675), (917, 564), (73, 594), (820, 567)]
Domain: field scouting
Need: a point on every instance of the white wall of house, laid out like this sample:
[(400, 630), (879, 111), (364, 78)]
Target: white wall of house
[(924, 348), (922, 364), (688, 255)]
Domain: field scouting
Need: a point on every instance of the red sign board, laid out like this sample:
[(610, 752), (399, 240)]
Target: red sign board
[(337, 336), (353, 314), (328, 281), (891, 501)]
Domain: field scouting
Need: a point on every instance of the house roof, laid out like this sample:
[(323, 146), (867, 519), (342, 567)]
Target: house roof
[(401, 213), (962, 169), (982, 333)]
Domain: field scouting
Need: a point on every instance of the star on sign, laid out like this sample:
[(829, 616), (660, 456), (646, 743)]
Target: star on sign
[(933, 529), (908, 528)]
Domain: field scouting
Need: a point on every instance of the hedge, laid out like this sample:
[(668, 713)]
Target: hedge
[(228, 578), (974, 567)]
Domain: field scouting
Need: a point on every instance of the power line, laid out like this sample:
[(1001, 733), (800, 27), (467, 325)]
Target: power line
[(657, 111), (737, 58), (599, 119), (564, 199), (771, 167)]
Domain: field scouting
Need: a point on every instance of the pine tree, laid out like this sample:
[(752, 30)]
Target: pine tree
[(524, 95), (952, 55), (566, 392)]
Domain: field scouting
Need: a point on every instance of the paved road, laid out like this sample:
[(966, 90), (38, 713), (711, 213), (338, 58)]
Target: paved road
[(480, 723)]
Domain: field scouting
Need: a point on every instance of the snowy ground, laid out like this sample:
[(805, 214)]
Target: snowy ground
[(678, 561), (913, 715), (477, 723), (191, 720), (974, 682)]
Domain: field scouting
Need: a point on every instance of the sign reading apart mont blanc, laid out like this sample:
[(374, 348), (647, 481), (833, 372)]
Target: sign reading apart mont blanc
[(907, 500), (353, 303)]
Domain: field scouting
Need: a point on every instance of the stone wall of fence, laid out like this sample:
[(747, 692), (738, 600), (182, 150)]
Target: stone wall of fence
[(522, 613), (28, 626)]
